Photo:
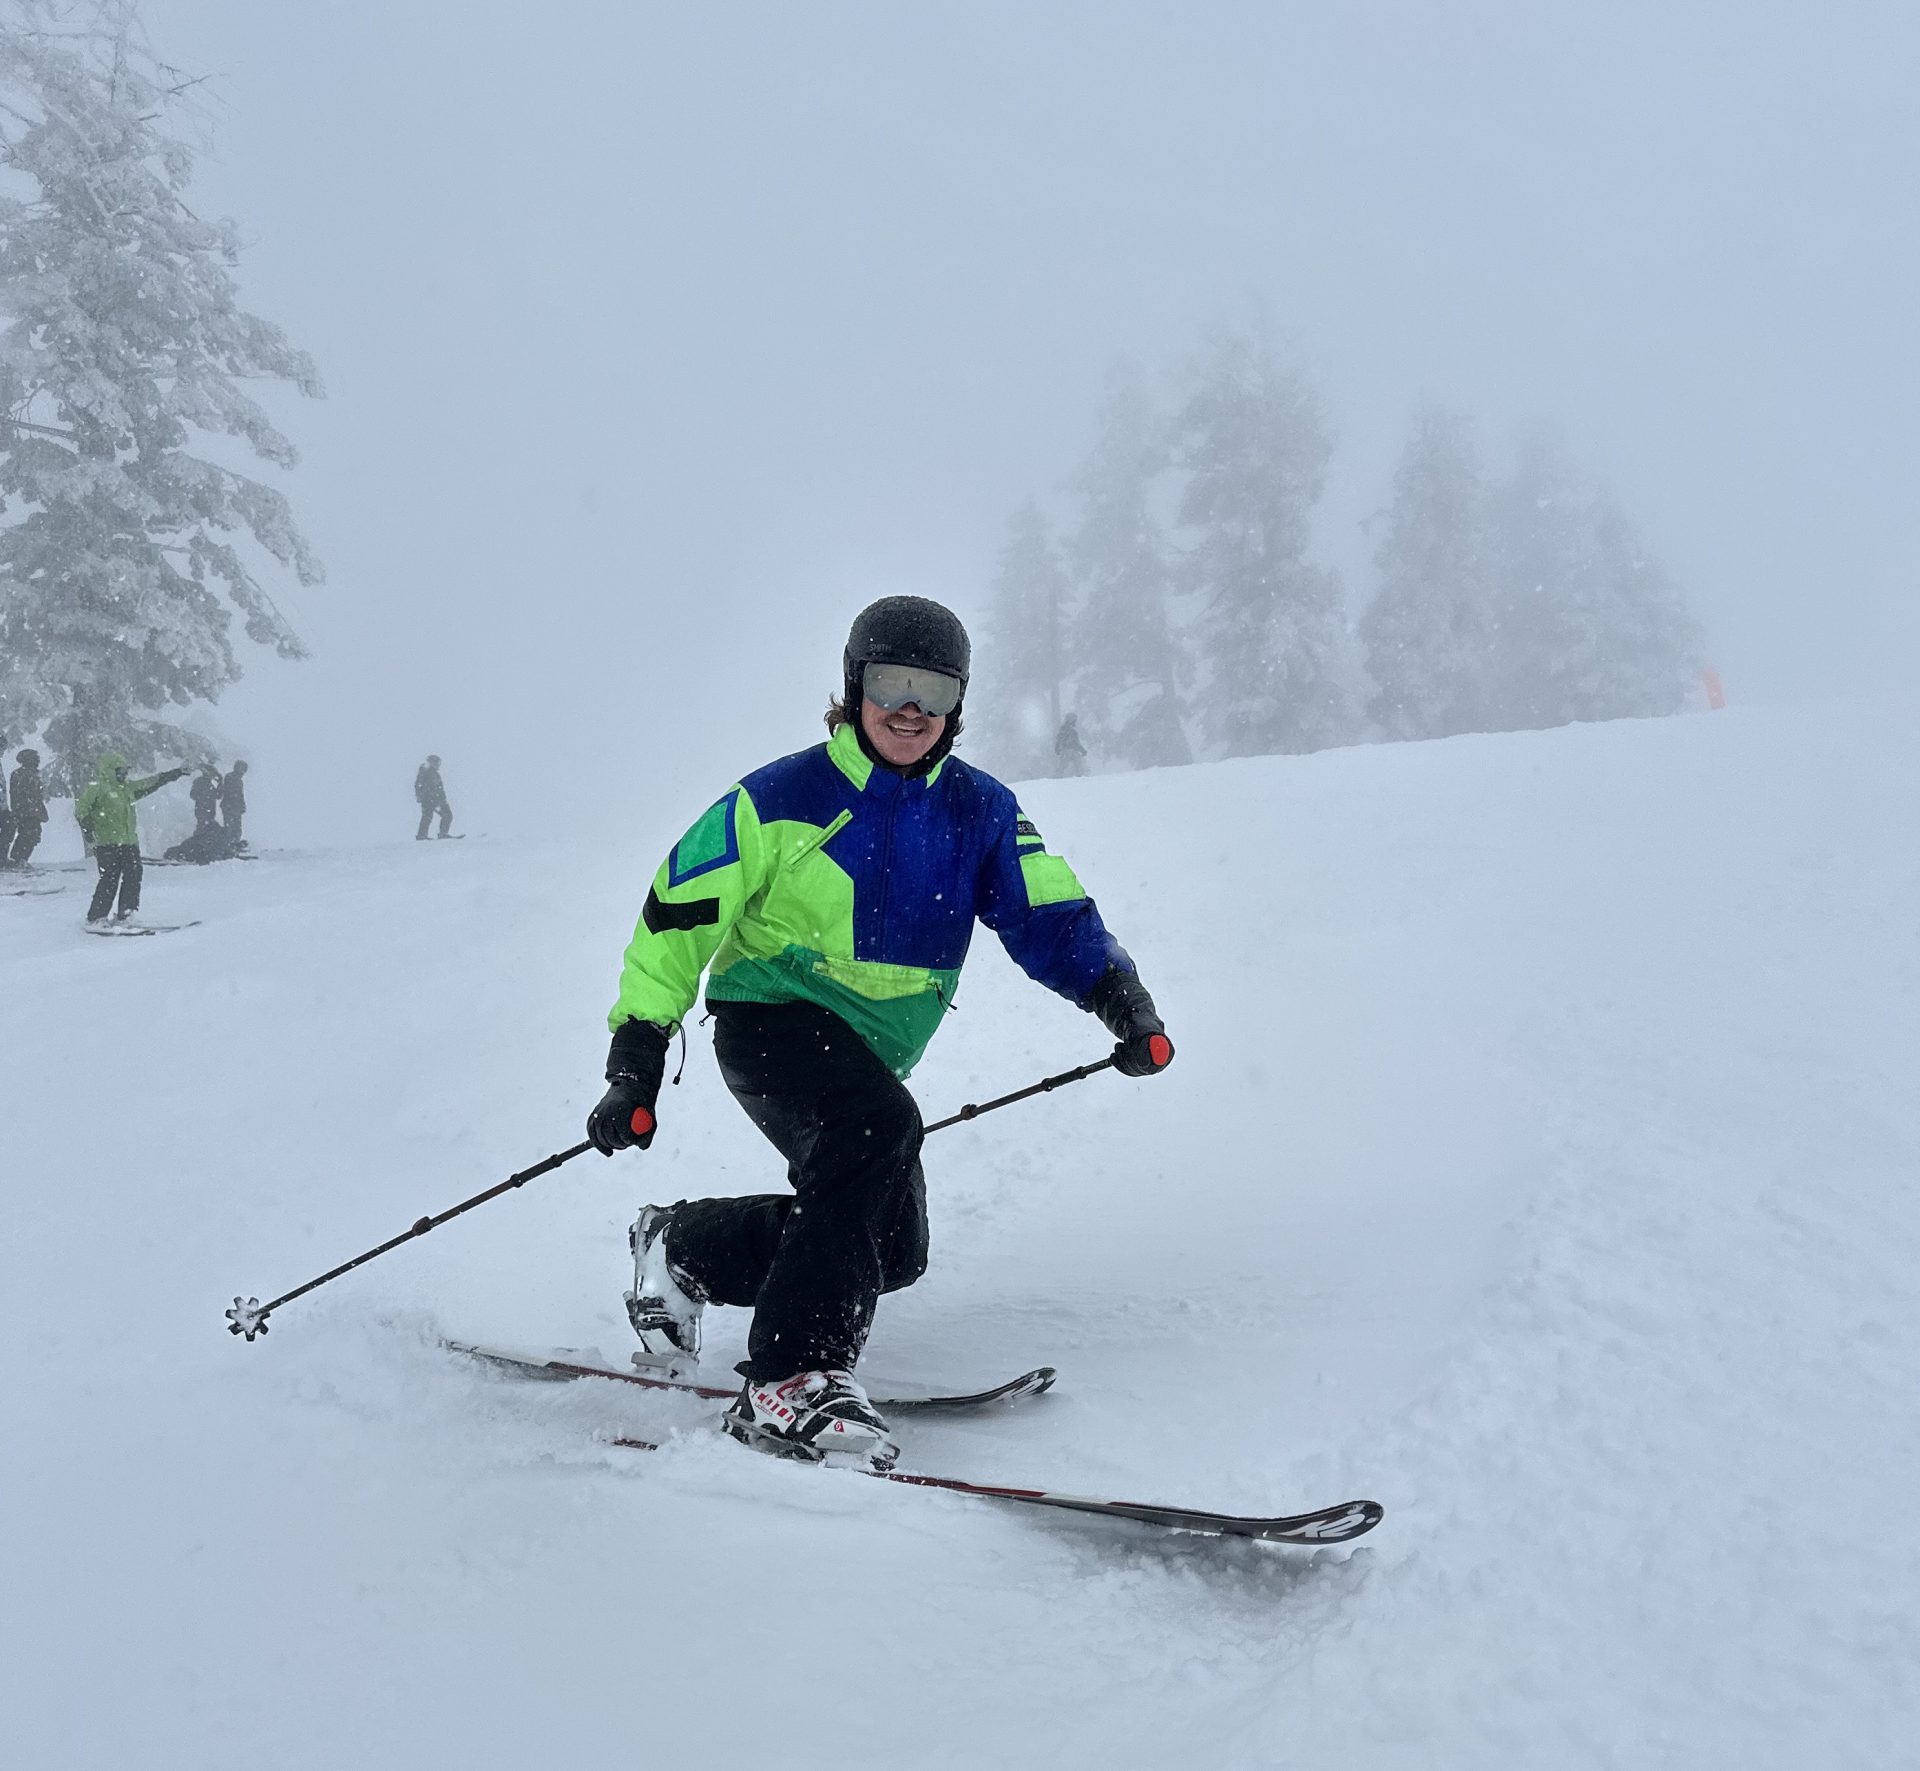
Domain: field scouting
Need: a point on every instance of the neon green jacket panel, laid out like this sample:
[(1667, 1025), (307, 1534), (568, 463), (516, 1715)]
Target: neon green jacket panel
[(706, 882)]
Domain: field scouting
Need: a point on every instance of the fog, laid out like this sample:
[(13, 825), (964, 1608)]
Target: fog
[(659, 339)]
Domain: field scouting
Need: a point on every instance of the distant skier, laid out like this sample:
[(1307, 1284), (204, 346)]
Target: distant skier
[(233, 808), (1069, 752), (105, 812), (204, 790), (834, 894), (432, 795), (29, 801)]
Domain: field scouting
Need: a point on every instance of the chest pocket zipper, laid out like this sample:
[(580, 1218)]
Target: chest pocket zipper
[(820, 841)]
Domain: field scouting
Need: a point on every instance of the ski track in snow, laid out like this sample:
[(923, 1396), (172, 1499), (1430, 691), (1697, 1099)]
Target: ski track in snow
[(1538, 1161)]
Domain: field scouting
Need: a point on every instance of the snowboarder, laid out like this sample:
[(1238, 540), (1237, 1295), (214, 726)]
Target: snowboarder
[(1069, 752), (834, 893), (233, 807), (29, 800), (432, 795), (107, 819)]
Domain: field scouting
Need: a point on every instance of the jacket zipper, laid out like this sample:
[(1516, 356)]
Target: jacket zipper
[(886, 866)]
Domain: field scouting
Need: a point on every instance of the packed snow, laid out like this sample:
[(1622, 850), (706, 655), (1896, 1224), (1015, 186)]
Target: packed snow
[(1538, 1161)]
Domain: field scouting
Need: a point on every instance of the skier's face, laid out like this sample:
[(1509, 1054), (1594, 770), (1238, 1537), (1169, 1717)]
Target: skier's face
[(902, 736)]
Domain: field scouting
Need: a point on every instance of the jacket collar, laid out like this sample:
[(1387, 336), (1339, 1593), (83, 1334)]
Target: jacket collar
[(860, 768)]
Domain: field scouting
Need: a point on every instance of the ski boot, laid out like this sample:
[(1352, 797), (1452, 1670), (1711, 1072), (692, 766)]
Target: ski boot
[(818, 1416), (663, 1307)]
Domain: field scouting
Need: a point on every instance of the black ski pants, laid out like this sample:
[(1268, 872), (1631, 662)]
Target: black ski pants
[(26, 838), (119, 872), (813, 1265), (429, 809)]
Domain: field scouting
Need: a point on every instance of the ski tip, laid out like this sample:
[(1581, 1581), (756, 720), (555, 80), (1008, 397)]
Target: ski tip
[(1341, 1524)]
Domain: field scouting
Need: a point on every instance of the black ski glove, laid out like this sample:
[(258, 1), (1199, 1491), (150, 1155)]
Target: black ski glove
[(1126, 1010), (635, 1063)]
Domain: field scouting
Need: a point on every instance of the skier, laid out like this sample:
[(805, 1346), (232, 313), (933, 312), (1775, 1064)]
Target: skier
[(205, 793), (432, 795), (107, 819), (209, 842), (29, 800), (233, 807), (834, 894), (6, 824), (1069, 753)]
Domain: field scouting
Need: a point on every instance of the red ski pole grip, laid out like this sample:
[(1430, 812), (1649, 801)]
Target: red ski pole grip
[(1160, 1050), (642, 1123)]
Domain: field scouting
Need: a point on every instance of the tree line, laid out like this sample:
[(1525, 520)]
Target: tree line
[(1176, 612)]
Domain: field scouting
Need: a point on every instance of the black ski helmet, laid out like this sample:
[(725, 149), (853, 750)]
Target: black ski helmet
[(907, 630)]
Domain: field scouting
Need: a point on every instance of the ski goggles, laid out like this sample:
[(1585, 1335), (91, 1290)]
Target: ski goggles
[(892, 686)]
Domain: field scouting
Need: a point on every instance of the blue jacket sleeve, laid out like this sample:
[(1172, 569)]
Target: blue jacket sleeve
[(1034, 902)]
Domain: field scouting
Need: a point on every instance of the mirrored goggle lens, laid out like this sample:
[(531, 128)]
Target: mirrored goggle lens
[(894, 685)]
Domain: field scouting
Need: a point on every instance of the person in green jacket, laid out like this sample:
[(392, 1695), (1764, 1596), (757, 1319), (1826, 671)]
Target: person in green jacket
[(107, 820), (829, 899)]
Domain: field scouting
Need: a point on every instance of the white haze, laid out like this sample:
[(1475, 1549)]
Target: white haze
[(657, 339)]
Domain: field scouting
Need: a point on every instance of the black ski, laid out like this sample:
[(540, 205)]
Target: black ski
[(566, 1365), (1324, 1525)]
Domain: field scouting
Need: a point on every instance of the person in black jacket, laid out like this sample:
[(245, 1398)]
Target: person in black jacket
[(28, 798), (233, 805), (205, 792), (432, 795)]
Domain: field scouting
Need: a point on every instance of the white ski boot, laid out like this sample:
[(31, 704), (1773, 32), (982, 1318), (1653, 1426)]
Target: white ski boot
[(821, 1416), (663, 1308)]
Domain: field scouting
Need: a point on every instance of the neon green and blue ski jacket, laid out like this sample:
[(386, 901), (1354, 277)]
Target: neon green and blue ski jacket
[(825, 878)]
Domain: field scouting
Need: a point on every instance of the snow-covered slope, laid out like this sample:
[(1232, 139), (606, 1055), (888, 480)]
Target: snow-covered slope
[(1539, 1160)]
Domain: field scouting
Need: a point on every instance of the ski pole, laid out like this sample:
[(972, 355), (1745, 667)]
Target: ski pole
[(248, 1316), (973, 1110)]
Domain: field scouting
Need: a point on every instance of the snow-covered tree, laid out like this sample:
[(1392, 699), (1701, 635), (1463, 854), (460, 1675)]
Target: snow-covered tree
[(1429, 631), (124, 545), (1128, 665), (1645, 659), (1281, 664), (1023, 651), (1546, 585), (1590, 626)]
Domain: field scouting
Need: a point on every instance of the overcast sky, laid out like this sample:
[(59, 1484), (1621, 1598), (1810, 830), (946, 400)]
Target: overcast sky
[(657, 339)]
